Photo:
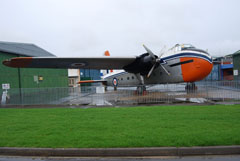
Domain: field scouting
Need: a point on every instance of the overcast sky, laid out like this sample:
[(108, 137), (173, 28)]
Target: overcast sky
[(89, 27)]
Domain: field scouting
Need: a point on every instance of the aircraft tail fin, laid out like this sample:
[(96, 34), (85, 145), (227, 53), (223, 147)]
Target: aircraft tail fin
[(106, 53)]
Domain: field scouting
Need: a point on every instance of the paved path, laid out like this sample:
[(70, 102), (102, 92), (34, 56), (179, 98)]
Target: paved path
[(195, 158)]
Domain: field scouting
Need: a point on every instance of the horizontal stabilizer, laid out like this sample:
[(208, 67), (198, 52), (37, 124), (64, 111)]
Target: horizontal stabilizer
[(92, 81)]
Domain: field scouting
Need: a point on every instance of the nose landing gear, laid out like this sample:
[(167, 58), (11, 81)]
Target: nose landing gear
[(191, 88)]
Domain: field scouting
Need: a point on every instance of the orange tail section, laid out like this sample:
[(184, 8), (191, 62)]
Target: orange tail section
[(106, 53)]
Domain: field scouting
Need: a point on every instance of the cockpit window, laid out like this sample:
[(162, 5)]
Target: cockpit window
[(179, 47), (192, 48), (187, 46)]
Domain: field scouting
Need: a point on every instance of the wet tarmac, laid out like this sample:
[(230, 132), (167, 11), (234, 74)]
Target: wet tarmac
[(158, 94)]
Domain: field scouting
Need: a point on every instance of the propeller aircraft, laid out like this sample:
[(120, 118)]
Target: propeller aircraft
[(181, 63)]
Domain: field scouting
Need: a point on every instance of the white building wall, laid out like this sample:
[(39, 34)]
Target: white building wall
[(73, 73), (73, 77)]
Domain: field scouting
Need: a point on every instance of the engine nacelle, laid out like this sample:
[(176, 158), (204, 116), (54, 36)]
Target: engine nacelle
[(142, 64)]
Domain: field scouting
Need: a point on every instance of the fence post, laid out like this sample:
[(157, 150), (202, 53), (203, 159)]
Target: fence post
[(206, 85)]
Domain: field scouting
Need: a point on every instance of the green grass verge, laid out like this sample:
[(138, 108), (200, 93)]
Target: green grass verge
[(153, 126)]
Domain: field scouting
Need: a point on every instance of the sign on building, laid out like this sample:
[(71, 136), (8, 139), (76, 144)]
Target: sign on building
[(6, 86), (235, 72)]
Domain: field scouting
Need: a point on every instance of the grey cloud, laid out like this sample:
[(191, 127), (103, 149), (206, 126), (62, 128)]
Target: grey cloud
[(87, 28)]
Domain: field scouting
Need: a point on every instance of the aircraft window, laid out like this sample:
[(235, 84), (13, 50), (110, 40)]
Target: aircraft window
[(127, 78), (177, 48), (132, 77), (121, 78)]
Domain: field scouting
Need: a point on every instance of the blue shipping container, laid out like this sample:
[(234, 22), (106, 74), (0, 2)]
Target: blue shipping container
[(215, 74), (94, 74)]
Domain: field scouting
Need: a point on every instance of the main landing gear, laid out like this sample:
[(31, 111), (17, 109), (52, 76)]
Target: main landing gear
[(191, 88), (141, 90)]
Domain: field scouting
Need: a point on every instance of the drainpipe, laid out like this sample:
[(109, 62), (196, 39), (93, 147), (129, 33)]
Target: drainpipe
[(20, 84)]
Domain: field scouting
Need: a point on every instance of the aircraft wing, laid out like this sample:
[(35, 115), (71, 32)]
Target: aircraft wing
[(64, 62)]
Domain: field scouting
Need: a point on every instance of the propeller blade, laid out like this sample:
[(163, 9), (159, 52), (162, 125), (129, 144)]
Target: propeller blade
[(162, 51), (156, 60), (150, 72), (161, 55), (149, 51), (165, 69)]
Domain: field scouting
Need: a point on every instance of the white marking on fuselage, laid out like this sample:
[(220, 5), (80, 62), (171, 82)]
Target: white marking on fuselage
[(187, 53), (113, 74)]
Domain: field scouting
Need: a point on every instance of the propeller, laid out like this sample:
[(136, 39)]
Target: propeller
[(149, 52), (155, 61)]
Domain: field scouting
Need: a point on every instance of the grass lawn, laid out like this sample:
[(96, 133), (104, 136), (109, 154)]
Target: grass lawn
[(153, 126)]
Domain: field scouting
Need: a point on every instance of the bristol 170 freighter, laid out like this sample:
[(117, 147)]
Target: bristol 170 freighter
[(181, 63)]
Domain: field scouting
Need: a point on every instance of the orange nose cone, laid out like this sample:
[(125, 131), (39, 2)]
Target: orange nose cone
[(195, 71)]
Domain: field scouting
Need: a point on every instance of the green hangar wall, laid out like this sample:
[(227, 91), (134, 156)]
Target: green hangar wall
[(29, 77), (236, 65)]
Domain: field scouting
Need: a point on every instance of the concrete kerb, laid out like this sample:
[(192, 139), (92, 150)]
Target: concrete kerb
[(121, 152)]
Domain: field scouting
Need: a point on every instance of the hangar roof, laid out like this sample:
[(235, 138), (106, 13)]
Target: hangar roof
[(236, 53), (24, 49)]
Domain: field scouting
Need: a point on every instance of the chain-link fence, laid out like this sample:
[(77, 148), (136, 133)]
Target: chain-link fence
[(223, 91)]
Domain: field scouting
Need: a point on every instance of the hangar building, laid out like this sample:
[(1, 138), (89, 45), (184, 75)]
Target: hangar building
[(236, 65), (222, 69), (29, 77)]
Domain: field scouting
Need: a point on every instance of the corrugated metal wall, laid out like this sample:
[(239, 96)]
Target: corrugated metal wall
[(44, 77), (8, 75), (236, 65), (31, 78)]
